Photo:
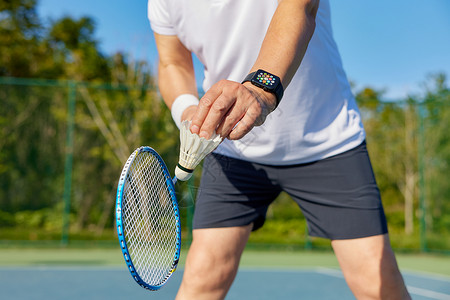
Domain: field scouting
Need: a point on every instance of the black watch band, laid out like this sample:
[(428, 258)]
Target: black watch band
[(267, 81)]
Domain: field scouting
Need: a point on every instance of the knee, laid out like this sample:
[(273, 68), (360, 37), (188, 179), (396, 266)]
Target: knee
[(371, 270), (209, 272), (212, 262), (379, 281)]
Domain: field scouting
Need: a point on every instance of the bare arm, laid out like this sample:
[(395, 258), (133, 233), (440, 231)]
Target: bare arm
[(287, 38), (175, 70), (229, 103)]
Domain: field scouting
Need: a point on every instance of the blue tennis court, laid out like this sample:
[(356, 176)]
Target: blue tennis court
[(116, 283)]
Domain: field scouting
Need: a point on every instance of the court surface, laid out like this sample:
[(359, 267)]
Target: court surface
[(114, 282)]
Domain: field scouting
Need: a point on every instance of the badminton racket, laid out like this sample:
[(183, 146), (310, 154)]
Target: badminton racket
[(148, 219)]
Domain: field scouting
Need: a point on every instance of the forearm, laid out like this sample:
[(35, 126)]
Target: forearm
[(287, 38)]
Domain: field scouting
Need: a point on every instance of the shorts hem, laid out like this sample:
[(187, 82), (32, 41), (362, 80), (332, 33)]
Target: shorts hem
[(348, 237)]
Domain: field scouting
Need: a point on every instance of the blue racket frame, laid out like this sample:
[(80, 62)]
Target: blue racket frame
[(119, 221)]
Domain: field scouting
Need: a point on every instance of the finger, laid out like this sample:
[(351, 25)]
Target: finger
[(189, 112), (244, 100), (241, 129), (251, 119), (217, 113), (200, 114), (229, 122), (234, 115), (203, 107)]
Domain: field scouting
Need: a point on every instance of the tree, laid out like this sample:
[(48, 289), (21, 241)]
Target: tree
[(436, 156), (20, 30), (391, 133), (74, 41), (121, 113)]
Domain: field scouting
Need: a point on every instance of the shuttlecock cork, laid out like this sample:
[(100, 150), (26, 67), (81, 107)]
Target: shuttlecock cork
[(193, 150)]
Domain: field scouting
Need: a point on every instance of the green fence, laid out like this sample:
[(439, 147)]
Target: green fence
[(63, 144)]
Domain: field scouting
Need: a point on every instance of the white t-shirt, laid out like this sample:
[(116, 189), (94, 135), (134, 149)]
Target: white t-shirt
[(317, 116)]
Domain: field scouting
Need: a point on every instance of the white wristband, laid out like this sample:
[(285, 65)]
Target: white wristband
[(180, 104)]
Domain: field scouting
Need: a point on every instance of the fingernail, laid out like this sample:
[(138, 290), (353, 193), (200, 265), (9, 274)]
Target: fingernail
[(195, 129), (204, 134)]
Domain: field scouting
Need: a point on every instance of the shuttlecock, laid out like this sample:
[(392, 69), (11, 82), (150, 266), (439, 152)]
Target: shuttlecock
[(192, 150)]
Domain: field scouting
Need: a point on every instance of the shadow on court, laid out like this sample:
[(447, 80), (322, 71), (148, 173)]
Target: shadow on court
[(116, 283)]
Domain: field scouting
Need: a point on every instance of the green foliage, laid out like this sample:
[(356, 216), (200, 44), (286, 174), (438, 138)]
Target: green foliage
[(49, 219), (111, 119), (395, 133), (436, 124), (6, 219), (19, 31), (67, 49), (69, 35), (118, 109), (290, 231), (31, 148)]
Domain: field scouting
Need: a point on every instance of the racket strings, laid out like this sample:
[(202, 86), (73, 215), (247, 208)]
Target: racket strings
[(150, 227)]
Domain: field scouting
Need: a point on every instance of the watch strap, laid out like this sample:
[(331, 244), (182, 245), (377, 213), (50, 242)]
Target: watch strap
[(277, 91), (249, 77)]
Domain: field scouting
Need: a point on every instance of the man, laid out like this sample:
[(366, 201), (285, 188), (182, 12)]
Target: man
[(275, 88)]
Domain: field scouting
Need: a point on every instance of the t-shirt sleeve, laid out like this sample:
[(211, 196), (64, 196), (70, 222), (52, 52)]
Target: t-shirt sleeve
[(159, 16)]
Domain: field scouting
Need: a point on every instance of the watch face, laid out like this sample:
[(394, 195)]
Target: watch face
[(265, 79)]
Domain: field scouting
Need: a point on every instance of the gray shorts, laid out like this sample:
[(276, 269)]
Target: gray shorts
[(338, 196)]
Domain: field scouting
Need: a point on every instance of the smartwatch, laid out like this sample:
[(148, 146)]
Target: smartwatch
[(268, 82)]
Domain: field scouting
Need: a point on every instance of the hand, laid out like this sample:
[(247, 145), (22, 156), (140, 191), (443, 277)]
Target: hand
[(189, 113), (232, 109)]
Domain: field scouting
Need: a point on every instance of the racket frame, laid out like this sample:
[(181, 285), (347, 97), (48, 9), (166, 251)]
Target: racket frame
[(119, 220)]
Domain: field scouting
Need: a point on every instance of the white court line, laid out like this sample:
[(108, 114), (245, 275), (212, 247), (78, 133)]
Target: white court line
[(412, 289), (330, 272), (427, 293), (321, 270), (427, 275)]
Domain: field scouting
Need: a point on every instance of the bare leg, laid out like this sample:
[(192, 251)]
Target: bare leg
[(370, 268), (212, 262)]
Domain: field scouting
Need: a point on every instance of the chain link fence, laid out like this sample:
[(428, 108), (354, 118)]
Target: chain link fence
[(63, 144)]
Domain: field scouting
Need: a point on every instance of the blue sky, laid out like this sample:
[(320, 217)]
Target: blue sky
[(385, 44)]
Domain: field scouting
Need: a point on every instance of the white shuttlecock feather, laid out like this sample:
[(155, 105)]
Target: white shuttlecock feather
[(192, 150)]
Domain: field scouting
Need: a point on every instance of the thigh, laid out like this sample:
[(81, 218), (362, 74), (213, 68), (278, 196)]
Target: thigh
[(232, 193), (338, 195)]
